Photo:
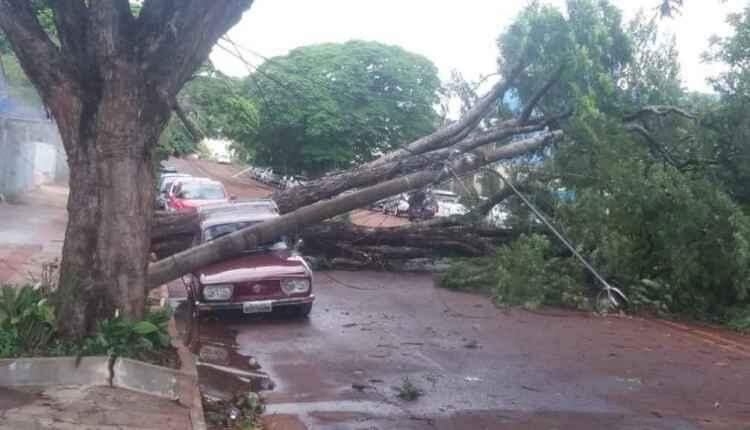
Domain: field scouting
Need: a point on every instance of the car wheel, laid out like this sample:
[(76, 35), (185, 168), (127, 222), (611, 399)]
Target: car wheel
[(304, 310)]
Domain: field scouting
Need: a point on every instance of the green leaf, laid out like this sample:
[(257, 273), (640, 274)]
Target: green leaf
[(144, 328)]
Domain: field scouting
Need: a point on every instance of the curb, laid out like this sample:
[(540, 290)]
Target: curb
[(180, 385), (188, 382), (55, 371)]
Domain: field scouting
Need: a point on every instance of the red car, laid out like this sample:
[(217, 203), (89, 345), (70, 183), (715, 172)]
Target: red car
[(262, 280), (191, 193)]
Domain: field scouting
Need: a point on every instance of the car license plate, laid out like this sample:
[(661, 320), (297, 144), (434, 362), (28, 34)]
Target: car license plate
[(257, 307)]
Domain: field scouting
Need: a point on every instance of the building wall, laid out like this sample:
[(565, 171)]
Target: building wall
[(31, 154)]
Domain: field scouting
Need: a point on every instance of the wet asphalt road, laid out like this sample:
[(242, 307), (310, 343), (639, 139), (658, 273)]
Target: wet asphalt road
[(477, 367)]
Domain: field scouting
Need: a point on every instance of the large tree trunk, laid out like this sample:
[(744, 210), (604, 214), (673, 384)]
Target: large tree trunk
[(105, 255)]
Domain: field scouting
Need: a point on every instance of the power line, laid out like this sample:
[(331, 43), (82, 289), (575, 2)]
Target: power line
[(609, 289)]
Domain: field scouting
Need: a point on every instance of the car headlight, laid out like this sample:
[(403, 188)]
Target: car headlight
[(218, 292), (295, 286)]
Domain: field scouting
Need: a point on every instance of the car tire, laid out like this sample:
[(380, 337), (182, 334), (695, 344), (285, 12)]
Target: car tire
[(303, 311)]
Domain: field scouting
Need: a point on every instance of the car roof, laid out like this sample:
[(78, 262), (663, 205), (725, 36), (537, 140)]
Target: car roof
[(245, 211), (231, 218), (193, 179)]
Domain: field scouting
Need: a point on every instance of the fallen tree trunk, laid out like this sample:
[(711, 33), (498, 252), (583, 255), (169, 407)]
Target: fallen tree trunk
[(233, 244), (345, 245), (173, 232)]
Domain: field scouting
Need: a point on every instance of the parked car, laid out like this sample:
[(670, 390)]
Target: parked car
[(422, 205), (448, 203), (223, 158), (262, 280), (191, 193), (165, 183)]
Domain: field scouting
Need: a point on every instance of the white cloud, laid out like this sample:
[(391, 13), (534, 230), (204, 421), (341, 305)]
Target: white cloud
[(454, 35)]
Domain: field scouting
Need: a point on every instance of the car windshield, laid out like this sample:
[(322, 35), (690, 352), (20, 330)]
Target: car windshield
[(201, 191), (216, 231)]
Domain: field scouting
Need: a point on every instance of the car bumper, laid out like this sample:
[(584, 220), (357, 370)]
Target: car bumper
[(275, 304)]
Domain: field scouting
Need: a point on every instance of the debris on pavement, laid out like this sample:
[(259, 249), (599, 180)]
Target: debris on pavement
[(472, 344), (408, 391)]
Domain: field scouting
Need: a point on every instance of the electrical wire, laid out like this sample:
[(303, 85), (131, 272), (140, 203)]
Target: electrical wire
[(609, 289)]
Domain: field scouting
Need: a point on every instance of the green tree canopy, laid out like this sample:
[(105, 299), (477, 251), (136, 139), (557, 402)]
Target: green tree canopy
[(327, 106), (727, 122), (587, 46), (217, 105)]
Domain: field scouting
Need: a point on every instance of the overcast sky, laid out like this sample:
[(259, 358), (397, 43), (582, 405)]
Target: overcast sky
[(454, 35)]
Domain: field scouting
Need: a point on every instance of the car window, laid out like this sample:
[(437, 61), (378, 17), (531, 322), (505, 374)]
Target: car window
[(166, 185), (201, 191), (216, 231)]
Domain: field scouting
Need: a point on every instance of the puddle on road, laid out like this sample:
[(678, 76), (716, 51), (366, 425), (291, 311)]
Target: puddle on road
[(222, 370)]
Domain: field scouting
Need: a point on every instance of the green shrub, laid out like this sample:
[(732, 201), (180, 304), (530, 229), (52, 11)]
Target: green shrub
[(27, 327), (123, 337), (675, 244), (26, 321), (738, 318), (525, 273)]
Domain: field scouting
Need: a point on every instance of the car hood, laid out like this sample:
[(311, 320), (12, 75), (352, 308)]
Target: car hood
[(255, 267)]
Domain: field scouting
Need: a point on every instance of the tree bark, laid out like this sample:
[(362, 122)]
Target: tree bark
[(105, 254)]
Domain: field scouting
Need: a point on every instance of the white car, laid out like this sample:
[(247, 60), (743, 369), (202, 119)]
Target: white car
[(223, 158)]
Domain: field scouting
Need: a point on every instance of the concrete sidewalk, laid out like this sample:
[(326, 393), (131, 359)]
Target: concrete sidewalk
[(31, 233), (80, 407)]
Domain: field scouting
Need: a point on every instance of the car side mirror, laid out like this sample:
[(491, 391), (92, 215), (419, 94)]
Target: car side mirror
[(232, 198)]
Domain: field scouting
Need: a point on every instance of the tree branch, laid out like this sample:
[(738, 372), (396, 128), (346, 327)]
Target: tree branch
[(367, 174), (656, 149), (528, 109), (175, 36), (660, 110), (192, 128), (112, 27), (70, 21), (468, 120), (40, 59)]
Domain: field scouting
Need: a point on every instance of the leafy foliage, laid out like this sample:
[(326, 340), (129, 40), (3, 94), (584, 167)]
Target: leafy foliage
[(526, 273), (27, 328), (589, 45), (326, 106), (217, 106), (725, 120), (26, 321), (676, 244), (658, 216), (241, 412), (122, 337)]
